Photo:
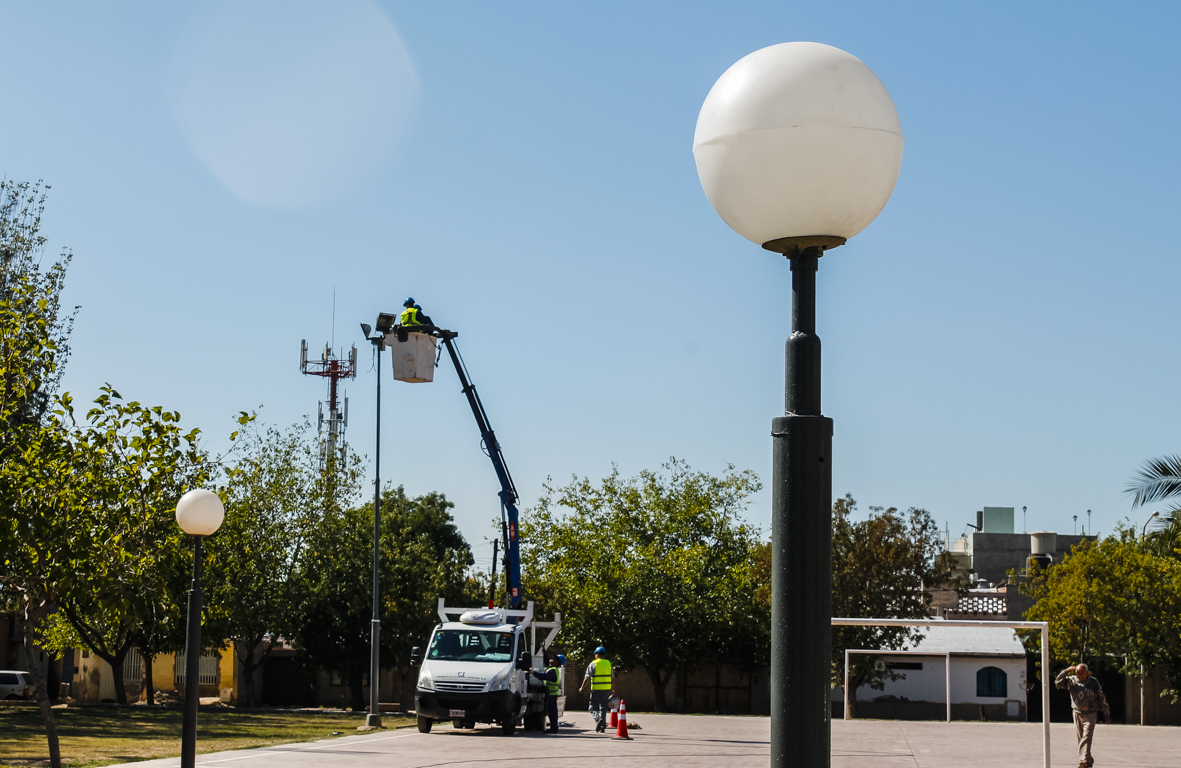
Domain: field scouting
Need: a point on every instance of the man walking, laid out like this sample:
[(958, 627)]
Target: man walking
[(601, 678), (1087, 701)]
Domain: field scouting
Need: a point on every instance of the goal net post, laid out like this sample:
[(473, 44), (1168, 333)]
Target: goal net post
[(1042, 626)]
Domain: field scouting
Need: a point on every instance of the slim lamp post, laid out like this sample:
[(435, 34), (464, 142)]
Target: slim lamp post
[(798, 148), (373, 718), (198, 513)]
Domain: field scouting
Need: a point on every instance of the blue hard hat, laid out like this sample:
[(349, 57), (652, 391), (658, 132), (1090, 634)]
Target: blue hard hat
[(561, 659), (409, 301), (600, 649)]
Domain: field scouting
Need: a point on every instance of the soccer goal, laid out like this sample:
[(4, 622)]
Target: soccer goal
[(1043, 626)]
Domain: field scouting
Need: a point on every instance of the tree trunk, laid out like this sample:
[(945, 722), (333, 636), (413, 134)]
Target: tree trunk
[(148, 680), (120, 683), (247, 698), (116, 662), (406, 691), (32, 616), (355, 693), (250, 665), (658, 687)]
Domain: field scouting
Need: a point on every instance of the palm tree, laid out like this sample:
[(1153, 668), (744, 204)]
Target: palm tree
[(1160, 479)]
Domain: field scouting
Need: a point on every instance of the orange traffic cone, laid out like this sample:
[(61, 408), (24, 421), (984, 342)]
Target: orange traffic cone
[(614, 720), (621, 733)]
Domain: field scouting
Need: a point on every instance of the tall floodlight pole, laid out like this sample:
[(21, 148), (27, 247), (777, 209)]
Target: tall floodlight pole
[(198, 513), (384, 323), (798, 148)]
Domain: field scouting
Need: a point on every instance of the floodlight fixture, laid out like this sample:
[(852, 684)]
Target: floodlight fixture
[(385, 322)]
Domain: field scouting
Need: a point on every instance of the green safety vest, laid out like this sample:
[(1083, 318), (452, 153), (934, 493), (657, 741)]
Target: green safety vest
[(601, 676), (554, 688), (409, 317)]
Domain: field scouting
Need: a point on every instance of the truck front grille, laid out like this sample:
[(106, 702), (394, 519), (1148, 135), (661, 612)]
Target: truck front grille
[(459, 687)]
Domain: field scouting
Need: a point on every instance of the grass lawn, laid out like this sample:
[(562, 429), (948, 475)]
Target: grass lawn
[(92, 736)]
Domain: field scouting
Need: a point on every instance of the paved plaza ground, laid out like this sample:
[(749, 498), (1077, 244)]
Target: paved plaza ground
[(719, 742)]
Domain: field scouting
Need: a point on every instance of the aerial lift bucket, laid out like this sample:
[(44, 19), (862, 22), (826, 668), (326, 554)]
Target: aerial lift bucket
[(414, 358)]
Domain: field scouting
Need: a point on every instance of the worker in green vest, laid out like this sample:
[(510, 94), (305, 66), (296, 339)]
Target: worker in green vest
[(409, 315), (601, 679), (554, 690), (552, 677)]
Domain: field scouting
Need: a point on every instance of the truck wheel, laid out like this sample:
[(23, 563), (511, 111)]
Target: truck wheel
[(534, 721), (424, 724), (508, 727)]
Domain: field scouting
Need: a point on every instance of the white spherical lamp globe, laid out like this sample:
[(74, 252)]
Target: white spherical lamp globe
[(798, 140), (199, 512)]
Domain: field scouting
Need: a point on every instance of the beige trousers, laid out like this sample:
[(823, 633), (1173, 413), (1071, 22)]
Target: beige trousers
[(1084, 728)]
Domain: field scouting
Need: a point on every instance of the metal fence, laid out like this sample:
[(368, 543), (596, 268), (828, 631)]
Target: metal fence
[(133, 666), (208, 669)]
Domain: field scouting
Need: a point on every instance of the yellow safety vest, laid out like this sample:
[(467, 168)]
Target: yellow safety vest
[(409, 317), (554, 688), (601, 676)]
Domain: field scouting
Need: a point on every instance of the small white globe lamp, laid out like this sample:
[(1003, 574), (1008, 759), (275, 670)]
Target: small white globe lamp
[(798, 140), (798, 148), (199, 512)]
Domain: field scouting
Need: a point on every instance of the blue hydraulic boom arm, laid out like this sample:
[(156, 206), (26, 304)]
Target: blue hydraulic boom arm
[(508, 492)]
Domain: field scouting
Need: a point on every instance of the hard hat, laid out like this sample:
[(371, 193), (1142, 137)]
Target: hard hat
[(601, 649), (561, 659), (408, 302)]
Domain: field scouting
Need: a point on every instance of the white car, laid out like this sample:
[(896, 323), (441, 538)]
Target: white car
[(15, 684)]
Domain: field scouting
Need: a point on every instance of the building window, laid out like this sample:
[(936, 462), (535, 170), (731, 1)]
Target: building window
[(915, 665), (992, 683)]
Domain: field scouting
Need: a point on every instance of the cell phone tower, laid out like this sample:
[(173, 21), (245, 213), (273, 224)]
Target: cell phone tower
[(334, 369)]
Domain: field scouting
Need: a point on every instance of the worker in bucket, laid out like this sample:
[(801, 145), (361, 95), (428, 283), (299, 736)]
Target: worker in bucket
[(552, 677), (410, 315), (601, 679)]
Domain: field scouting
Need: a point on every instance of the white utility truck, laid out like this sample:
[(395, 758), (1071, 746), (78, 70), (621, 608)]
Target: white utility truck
[(476, 669)]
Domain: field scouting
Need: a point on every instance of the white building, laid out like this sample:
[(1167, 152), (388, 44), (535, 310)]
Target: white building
[(987, 677)]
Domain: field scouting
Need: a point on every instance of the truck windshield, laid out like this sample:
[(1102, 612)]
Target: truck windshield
[(471, 645)]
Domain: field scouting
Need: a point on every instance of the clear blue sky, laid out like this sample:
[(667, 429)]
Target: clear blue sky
[(1004, 334)]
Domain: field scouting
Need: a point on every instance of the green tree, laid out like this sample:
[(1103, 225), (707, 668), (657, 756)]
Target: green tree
[(423, 557), (131, 464), (36, 338), (1113, 599), (272, 501), (39, 547), (35, 533), (880, 568), (659, 568)]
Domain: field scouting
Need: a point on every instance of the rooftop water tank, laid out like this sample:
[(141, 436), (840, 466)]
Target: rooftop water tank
[(1043, 542), (414, 359)]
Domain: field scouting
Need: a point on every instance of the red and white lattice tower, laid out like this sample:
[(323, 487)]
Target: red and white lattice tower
[(331, 425)]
